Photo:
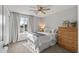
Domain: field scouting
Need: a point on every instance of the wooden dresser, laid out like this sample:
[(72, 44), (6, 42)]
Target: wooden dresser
[(67, 38)]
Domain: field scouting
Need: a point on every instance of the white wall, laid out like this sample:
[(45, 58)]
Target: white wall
[(56, 19)]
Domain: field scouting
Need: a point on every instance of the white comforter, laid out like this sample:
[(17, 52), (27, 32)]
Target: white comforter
[(42, 42)]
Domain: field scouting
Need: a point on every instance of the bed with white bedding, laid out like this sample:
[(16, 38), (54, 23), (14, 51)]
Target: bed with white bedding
[(39, 41)]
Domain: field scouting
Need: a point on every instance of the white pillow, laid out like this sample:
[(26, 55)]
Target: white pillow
[(54, 30), (47, 30), (43, 33)]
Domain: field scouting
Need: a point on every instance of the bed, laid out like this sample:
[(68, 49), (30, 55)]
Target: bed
[(39, 41)]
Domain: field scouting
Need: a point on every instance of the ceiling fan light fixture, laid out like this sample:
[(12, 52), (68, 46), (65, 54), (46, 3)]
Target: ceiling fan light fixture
[(41, 9)]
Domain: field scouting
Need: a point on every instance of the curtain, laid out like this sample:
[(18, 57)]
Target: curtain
[(13, 26), (1, 23), (30, 24)]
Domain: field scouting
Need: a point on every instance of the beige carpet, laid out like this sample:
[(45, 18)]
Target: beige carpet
[(20, 47)]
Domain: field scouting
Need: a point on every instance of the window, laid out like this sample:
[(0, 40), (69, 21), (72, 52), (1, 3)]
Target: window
[(23, 23)]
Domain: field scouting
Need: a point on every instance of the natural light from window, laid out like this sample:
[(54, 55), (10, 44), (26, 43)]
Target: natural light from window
[(23, 23)]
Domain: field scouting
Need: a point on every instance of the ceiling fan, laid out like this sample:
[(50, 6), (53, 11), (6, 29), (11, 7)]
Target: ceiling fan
[(39, 8)]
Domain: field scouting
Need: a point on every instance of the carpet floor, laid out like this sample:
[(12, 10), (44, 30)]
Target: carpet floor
[(19, 47)]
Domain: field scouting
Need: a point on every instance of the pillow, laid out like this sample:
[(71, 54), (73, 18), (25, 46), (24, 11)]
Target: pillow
[(54, 31), (47, 30), (43, 33)]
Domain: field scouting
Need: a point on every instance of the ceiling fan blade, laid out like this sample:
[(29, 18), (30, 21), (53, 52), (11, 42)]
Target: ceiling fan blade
[(43, 12), (47, 9)]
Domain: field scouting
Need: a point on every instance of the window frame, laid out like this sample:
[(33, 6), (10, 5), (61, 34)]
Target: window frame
[(25, 16)]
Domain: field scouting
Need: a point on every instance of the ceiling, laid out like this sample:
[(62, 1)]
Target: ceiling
[(25, 9)]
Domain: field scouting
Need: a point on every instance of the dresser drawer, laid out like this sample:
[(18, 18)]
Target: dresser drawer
[(67, 38), (69, 47)]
